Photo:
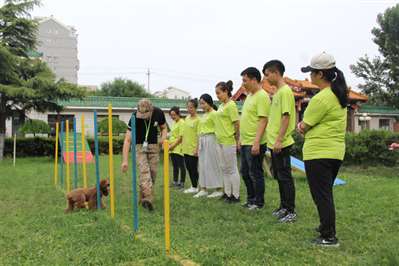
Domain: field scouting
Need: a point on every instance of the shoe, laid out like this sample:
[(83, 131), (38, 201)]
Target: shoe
[(191, 190), (147, 205), (254, 207), (277, 212), (246, 205), (202, 193), (233, 200), (326, 242), (215, 194), (289, 218), (281, 214), (224, 197)]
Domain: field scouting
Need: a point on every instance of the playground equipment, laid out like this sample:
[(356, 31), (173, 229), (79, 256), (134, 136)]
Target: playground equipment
[(63, 147)]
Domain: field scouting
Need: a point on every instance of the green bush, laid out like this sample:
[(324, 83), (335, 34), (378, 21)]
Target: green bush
[(118, 127), (34, 127)]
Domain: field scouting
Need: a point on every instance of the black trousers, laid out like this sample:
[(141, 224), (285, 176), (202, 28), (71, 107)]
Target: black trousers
[(178, 166), (281, 165), (321, 174), (192, 168), (253, 175)]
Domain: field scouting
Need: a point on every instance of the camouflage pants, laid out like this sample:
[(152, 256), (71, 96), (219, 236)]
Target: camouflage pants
[(148, 166)]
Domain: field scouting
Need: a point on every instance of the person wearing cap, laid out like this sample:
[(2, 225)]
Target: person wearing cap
[(208, 161), (279, 131), (324, 128), (253, 122), (148, 120)]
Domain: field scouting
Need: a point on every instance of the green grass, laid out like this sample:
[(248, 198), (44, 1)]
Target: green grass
[(35, 231)]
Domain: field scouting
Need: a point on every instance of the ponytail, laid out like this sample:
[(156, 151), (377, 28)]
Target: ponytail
[(338, 84), (226, 87)]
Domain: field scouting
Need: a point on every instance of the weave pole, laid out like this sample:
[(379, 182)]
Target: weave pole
[(134, 175), (84, 152), (14, 149), (68, 174), (75, 155), (97, 161), (166, 195), (62, 158), (56, 156), (111, 162)]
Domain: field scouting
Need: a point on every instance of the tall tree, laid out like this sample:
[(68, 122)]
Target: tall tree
[(120, 87), (25, 83), (381, 74)]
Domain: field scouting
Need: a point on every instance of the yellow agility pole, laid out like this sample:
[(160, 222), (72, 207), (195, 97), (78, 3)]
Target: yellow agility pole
[(111, 162), (166, 196), (84, 152), (68, 177), (56, 156)]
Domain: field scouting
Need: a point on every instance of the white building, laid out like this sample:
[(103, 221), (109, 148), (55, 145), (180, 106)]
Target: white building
[(173, 93), (58, 44)]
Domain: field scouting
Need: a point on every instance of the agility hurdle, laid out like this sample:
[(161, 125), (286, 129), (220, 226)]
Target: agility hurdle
[(97, 161), (84, 170), (166, 195), (111, 162), (62, 159), (134, 175), (56, 156), (68, 174)]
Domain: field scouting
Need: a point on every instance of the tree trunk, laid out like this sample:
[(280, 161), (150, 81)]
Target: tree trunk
[(3, 118)]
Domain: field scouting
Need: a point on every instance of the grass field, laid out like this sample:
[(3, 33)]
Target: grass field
[(35, 231)]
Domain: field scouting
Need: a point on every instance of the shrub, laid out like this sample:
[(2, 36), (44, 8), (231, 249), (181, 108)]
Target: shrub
[(118, 127), (34, 127)]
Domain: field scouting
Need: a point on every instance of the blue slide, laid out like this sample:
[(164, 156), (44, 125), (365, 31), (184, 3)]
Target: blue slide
[(299, 165)]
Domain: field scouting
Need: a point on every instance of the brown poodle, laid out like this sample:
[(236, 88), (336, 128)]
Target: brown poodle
[(78, 197)]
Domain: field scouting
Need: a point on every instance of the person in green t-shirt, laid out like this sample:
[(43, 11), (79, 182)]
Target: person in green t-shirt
[(279, 131), (176, 153), (189, 138), (253, 122), (227, 131), (324, 128)]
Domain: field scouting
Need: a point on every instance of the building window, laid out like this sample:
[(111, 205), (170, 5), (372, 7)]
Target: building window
[(52, 119), (384, 124)]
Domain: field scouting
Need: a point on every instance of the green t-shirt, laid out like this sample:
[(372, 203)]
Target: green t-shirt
[(206, 123), (190, 135), (326, 137), (283, 102), (175, 133), (225, 117), (255, 106)]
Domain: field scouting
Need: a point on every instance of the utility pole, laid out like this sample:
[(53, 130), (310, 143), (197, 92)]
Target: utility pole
[(148, 80)]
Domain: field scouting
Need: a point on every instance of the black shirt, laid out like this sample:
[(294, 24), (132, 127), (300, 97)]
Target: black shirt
[(157, 120)]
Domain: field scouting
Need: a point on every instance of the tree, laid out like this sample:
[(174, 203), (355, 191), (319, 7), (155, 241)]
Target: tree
[(34, 126), (25, 83), (120, 87), (381, 74)]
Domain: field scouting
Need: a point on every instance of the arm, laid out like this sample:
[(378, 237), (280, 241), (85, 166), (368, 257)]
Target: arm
[(175, 143), (164, 132), (283, 129), (125, 151), (237, 133), (259, 133)]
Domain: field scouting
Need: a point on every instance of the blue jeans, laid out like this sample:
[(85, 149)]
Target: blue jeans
[(253, 175)]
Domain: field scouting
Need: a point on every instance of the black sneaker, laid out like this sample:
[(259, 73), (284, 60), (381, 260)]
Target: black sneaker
[(289, 218), (326, 242), (279, 211), (224, 197), (233, 200), (147, 205)]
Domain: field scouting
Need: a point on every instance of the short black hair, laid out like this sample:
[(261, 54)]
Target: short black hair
[(252, 73), (194, 102), (274, 65), (175, 109)]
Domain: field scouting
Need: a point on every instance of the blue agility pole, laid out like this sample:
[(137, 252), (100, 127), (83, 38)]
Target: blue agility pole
[(62, 154), (75, 155), (134, 174), (97, 161)]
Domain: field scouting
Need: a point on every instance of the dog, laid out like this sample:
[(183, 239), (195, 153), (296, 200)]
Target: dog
[(77, 198)]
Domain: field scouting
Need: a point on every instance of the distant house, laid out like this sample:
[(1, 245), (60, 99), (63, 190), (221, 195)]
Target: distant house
[(376, 117), (58, 47), (173, 93)]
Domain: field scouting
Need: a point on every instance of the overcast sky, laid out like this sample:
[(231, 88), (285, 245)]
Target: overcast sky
[(194, 44)]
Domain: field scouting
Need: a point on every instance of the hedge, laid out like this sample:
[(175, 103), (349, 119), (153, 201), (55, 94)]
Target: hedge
[(365, 148)]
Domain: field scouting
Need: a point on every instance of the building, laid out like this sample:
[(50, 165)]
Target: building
[(173, 93), (58, 47), (303, 91), (376, 117)]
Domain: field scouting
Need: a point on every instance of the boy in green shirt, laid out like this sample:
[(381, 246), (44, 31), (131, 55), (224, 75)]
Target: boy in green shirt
[(253, 122), (279, 139)]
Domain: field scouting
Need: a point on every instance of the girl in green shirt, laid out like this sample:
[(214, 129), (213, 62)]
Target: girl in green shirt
[(324, 127)]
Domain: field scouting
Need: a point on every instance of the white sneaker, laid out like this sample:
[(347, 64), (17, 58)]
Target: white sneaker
[(202, 193), (216, 194), (191, 190)]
